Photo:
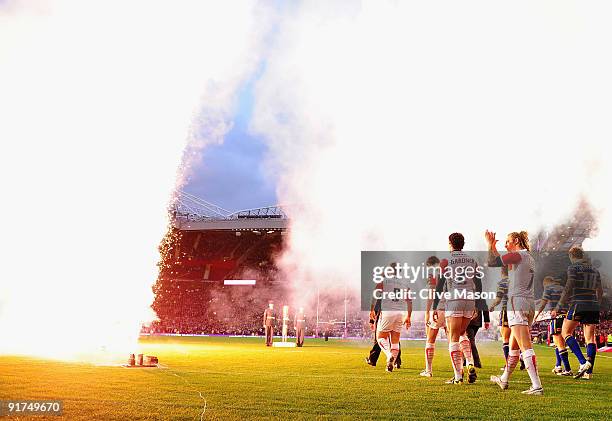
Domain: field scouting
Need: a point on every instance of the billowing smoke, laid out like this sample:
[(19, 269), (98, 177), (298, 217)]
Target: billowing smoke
[(97, 103), (393, 124), (389, 125)]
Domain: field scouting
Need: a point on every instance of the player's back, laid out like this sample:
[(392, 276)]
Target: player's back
[(396, 286), (459, 271), (585, 280)]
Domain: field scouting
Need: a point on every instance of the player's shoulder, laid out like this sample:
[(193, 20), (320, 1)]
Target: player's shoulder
[(526, 254)]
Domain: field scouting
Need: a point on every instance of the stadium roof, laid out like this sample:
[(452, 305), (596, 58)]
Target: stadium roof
[(580, 226), (191, 213), (552, 246)]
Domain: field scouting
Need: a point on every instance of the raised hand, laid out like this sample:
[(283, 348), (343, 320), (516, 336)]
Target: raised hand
[(490, 237)]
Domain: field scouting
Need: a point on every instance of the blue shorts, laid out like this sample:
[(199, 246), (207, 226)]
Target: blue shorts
[(503, 317), (583, 313), (554, 325)]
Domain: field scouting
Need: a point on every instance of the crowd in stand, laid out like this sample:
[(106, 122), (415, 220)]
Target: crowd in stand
[(191, 298), (539, 331)]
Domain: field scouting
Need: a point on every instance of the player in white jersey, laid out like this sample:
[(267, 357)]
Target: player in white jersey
[(432, 327), (459, 272), (521, 306), (396, 309)]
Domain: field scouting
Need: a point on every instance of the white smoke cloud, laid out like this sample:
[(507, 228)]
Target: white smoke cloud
[(97, 103), (393, 124), (389, 125)]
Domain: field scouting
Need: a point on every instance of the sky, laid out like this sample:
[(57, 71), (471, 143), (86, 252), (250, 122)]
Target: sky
[(232, 174)]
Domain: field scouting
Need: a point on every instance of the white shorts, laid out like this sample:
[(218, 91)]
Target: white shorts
[(391, 321), (520, 311), (441, 323), (459, 308)]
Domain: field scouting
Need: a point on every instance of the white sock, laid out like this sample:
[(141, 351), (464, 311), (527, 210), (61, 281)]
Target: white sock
[(511, 363), (385, 347), (529, 358), (466, 348), (429, 355), (456, 359)]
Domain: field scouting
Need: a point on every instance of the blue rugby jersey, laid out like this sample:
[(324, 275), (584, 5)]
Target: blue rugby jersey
[(502, 291), (583, 281), (552, 293)]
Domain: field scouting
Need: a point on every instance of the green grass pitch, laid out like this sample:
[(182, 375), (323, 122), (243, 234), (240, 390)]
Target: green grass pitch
[(242, 379)]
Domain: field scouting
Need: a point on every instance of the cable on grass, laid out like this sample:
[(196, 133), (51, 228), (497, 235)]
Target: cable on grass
[(174, 373)]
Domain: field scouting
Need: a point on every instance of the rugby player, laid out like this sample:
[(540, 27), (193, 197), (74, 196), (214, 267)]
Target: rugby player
[(395, 312), (458, 273), (550, 299), (431, 327), (502, 298), (583, 289), (521, 306)]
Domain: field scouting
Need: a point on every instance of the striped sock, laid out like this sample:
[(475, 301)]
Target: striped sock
[(511, 363), (456, 359), (395, 350), (429, 355), (385, 347), (466, 349), (506, 349)]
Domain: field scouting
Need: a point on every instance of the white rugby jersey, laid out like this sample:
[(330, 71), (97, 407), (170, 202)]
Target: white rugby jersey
[(520, 283), (457, 278), (398, 286)]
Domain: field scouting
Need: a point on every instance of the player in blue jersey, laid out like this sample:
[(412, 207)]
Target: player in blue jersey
[(550, 299), (583, 291), (502, 299)]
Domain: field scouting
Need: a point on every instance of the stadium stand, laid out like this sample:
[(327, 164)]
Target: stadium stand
[(206, 245)]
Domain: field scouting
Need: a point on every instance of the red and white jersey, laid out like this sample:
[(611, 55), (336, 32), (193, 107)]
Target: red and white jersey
[(521, 272), (458, 279)]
